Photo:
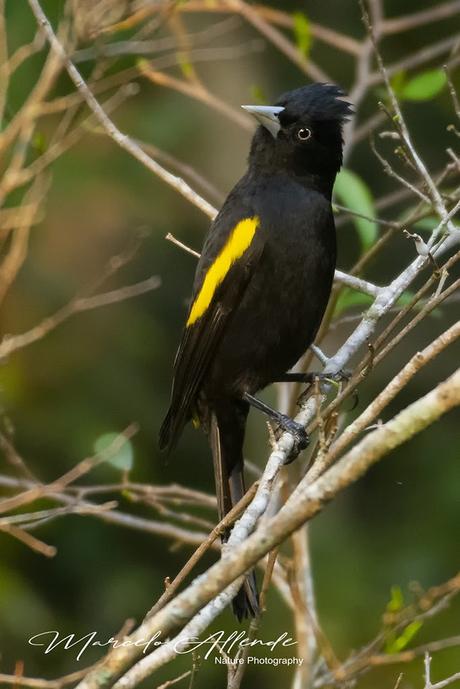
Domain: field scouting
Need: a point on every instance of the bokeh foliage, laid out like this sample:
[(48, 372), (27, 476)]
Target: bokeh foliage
[(102, 370)]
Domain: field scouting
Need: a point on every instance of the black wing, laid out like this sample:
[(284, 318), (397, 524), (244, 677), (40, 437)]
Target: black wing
[(200, 339)]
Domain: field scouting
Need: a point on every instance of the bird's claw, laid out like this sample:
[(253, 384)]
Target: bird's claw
[(339, 376), (298, 433)]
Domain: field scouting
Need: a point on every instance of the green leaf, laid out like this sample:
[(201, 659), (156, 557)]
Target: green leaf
[(405, 298), (396, 601), (399, 643), (39, 142), (122, 458), (424, 86), (428, 223), (349, 298), (397, 81), (302, 33), (355, 194)]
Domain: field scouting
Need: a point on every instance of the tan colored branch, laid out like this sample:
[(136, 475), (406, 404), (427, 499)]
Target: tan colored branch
[(196, 91), (427, 604), (301, 577), (70, 476), (229, 519), (278, 39), (413, 366), (17, 252), (406, 22), (305, 502), (400, 124), (272, 15), (427, 308), (45, 82), (118, 518), (37, 683), (12, 343), (124, 141), (34, 543)]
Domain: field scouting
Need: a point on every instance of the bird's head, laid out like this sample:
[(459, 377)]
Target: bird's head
[(302, 133)]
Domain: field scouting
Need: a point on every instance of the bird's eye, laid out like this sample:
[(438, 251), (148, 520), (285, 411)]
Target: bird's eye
[(303, 134)]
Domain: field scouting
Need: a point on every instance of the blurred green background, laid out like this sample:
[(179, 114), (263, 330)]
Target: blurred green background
[(102, 370)]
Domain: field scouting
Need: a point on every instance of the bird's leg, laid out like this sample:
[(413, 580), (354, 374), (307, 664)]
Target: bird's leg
[(309, 379), (285, 422)]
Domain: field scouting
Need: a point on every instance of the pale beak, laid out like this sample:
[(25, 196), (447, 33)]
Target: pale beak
[(267, 115)]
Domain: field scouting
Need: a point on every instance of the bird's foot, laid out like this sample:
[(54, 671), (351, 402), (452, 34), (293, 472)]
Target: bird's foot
[(298, 433), (285, 423), (335, 377), (341, 376)]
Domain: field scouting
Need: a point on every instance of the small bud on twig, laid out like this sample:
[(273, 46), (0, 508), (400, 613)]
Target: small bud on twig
[(421, 247)]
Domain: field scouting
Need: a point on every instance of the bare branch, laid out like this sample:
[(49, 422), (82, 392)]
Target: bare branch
[(116, 517), (29, 540), (406, 22), (278, 40), (36, 683), (357, 283), (12, 343), (305, 502), (112, 130), (257, 532), (442, 683), (17, 253), (204, 546), (406, 374), (432, 189), (70, 476), (279, 18), (196, 91)]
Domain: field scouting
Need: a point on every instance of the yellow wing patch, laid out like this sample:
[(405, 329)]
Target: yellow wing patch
[(238, 242)]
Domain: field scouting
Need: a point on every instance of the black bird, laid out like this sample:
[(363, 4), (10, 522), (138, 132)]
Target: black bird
[(261, 286)]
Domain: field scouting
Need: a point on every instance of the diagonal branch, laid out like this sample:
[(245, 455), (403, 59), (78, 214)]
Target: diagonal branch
[(400, 123), (12, 343), (112, 130), (304, 503)]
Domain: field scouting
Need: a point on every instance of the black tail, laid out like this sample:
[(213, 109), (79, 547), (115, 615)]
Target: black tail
[(228, 424), (164, 436)]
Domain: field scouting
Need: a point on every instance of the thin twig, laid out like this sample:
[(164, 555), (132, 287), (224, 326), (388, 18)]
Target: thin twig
[(13, 343), (112, 130), (303, 504), (204, 546), (70, 476)]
